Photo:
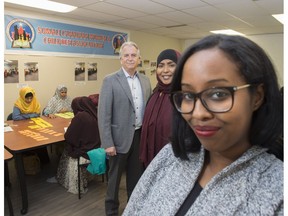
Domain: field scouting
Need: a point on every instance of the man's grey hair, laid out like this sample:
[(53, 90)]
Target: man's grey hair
[(129, 43)]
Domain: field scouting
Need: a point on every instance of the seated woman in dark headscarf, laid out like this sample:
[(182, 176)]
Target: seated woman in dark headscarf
[(81, 136)]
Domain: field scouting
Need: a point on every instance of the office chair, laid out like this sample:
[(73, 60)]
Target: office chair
[(85, 165), (79, 165), (9, 117)]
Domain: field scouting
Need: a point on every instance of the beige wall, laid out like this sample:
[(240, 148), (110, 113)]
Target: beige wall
[(273, 44)]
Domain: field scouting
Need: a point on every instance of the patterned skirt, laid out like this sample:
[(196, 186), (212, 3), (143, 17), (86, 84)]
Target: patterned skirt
[(67, 173)]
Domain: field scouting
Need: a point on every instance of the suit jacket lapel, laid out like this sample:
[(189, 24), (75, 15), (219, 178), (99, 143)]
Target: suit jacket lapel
[(124, 83), (143, 85)]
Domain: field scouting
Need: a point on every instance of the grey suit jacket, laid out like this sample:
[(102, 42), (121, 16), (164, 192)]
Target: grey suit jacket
[(116, 112)]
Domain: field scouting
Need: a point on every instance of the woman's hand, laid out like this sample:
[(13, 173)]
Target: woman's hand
[(51, 116), (63, 110)]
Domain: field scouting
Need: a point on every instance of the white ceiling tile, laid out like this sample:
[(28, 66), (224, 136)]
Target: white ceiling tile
[(134, 24), (180, 17), (95, 16), (114, 10), (208, 13), (181, 4), (262, 21), (242, 9), (216, 2), (145, 6), (156, 20), (271, 6)]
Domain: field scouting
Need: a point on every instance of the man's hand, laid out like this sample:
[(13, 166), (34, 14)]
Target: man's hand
[(111, 151)]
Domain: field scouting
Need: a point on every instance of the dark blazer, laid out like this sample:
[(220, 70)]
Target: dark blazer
[(116, 112)]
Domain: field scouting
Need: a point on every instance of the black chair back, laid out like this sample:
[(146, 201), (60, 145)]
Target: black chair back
[(9, 117)]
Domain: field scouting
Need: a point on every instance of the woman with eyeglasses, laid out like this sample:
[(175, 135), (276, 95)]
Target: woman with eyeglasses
[(223, 156)]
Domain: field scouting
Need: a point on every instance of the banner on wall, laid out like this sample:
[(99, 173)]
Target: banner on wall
[(42, 36)]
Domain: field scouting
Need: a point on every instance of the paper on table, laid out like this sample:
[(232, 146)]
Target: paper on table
[(66, 115), (7, 129)]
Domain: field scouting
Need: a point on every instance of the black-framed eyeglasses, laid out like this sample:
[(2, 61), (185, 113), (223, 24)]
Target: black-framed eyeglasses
[(216, 99)]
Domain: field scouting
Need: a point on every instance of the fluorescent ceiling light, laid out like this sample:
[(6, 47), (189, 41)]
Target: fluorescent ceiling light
[(44, 5), (279, 17), (227, 32)]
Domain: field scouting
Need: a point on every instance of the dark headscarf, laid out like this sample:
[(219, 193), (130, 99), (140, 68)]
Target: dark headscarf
[(84, 104), (94, 98), (156, 125), (172, 55), (83, 134)]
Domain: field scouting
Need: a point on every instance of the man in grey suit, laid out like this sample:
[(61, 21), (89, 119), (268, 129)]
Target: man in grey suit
[(122, 101)]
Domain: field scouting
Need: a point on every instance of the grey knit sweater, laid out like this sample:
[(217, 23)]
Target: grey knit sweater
[(252, 185)]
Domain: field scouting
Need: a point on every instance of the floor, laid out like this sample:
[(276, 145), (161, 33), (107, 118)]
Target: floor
[(45, 199)]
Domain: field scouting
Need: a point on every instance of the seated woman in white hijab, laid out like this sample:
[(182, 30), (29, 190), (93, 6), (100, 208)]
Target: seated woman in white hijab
[(59, 103)]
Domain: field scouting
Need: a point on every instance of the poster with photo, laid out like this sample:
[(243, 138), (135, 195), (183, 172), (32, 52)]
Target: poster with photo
[(31, 71), (153, 64), (140, 63), (11, 73), (79, 71), (24, 33), (142, 71), (92, 71), (153, 67), (146, 62)]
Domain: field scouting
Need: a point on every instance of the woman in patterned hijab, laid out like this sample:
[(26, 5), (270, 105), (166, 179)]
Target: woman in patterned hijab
[(59, 103)]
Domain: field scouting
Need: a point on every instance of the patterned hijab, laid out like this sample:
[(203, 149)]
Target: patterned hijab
[(25, 108), (57, 102)]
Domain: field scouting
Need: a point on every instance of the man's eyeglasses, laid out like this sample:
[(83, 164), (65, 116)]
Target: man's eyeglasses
[(216, 99)]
